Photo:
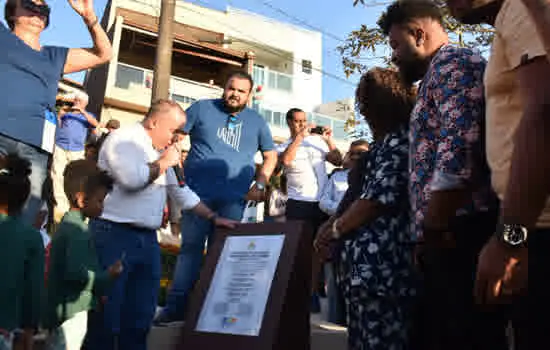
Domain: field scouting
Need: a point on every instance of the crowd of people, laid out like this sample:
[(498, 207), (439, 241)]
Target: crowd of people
[(422, 233)]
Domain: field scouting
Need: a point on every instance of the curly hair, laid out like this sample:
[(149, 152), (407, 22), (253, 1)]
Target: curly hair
[(404, 11), (384, 100), (15, 185)]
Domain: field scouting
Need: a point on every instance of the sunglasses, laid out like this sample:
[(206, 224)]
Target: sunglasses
[(40, 9), (232, 122)]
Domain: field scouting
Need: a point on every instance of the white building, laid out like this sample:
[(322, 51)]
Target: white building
[(285, 61)]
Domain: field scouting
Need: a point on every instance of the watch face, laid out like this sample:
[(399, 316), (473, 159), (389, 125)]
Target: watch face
[(514, 234)]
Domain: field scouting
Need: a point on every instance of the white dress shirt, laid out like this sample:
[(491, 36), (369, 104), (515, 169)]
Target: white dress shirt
[(334, 191), (125, 155), (307, 174)]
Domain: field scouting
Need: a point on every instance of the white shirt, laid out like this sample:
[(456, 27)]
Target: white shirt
[(125, 155), (334, 191), (307, 174)]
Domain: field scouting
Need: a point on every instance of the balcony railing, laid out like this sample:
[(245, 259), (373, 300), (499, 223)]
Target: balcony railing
[(181, 90), (279, 119), (271, 79)]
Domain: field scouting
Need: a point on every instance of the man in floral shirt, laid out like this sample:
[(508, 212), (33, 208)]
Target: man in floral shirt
[(450, 196)]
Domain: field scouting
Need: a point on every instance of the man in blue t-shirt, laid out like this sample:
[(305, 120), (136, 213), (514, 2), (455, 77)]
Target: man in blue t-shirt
[(70, 138), (225, 136), (30, 73)]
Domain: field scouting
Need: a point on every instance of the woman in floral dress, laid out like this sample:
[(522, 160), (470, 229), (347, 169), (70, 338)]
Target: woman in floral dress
[(376, 270)]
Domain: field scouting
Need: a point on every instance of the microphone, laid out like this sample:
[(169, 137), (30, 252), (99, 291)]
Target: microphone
[(179, 175)]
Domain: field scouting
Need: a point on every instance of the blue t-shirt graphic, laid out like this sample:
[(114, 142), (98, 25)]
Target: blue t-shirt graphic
[(29, 85), (220, 164)]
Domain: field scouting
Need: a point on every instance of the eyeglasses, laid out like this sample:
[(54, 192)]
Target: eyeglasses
[(232, 122)]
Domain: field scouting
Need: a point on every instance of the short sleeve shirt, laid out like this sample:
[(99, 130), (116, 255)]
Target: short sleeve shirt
[(71, 134), (516, 41), (27, 95), (307, 174), (220, 164)]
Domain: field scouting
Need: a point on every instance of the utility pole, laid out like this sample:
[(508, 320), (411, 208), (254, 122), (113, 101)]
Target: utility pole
[(163, 60)]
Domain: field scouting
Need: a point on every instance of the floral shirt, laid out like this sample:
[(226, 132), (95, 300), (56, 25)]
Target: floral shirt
[(377, 259), (447, 147)]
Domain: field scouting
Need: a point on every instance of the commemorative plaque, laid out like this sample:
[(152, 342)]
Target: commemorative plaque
[(254, 290)]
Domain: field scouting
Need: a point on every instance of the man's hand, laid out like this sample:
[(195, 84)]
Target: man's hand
[(256, 195), (327, 134), (225, 223), (85, 8), (169, 157), (115, 269), (323, 240), (502, 272), (302, 134)]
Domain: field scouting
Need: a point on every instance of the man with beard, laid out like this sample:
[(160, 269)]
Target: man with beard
[(450, 196), (517, 90), (225, 136)]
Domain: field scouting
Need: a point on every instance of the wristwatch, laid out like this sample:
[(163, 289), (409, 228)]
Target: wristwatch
[(336, 234), (260, 186), (512, 234), (212, 217)]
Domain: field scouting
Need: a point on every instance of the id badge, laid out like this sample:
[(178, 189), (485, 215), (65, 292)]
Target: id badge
[(48, 131)]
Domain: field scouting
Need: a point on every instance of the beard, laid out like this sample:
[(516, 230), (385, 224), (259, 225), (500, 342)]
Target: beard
[(232, 109), (411, 71)]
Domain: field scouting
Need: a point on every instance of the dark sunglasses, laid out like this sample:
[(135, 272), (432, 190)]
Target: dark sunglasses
[(232, 122), (42, 10)]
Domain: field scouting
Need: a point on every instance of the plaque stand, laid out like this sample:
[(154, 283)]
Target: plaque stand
[(286, 321)]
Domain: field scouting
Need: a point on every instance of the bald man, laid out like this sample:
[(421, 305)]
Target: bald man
[(140, 159)]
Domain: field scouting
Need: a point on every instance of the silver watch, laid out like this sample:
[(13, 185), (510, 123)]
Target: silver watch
[(513, 234)]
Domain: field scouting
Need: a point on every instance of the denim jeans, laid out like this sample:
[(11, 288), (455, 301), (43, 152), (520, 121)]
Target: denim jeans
[(39, 167), (195, 231), (127, 315)]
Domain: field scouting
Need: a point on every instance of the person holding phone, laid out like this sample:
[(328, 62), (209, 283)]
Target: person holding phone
[(28, 118), (303, 157)]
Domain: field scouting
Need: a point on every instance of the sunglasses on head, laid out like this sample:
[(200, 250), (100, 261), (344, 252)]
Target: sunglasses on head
[(232, 122), (40, 9)]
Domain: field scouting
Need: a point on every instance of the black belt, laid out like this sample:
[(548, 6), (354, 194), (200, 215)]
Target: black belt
[(131, 226)]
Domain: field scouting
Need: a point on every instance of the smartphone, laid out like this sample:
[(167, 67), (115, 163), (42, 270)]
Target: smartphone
[(317, 130)]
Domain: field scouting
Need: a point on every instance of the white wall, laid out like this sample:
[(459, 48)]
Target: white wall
[(250, 27)]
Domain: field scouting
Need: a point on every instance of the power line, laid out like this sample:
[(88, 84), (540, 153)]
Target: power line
[(266, 47), (299, 20)]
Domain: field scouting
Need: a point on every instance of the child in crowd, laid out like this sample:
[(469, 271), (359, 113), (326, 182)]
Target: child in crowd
[(75, 280), (21, 256)]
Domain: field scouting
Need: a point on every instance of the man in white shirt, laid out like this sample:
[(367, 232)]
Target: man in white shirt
[(133, 212), (303, 157)]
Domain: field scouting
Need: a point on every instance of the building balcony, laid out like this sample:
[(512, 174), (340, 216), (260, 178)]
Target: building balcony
[(272, 80), (134, 84), (278, 120)]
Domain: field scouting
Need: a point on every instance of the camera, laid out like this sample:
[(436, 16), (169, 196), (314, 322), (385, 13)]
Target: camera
[(317, 130)]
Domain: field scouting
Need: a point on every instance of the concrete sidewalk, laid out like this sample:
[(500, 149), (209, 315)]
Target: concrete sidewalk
[(324, 336)]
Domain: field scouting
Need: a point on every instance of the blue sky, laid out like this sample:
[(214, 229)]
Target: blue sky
[(335, 17)]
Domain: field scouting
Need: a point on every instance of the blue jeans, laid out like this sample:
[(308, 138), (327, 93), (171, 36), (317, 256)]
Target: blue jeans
[(195, 231), (127, 315), (39, 167)]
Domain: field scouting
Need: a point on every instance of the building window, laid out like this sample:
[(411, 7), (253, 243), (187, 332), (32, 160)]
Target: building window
[(126, 77), (307, 66), (183, 99)]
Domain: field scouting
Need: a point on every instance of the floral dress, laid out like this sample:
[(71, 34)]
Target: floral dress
[(376, 265)]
